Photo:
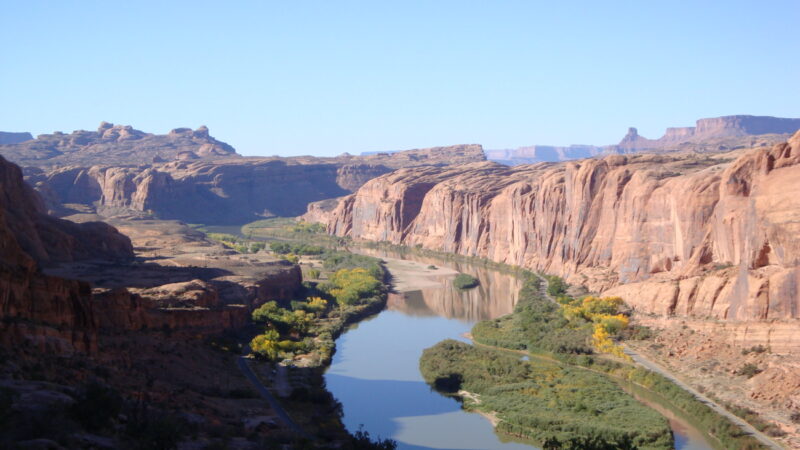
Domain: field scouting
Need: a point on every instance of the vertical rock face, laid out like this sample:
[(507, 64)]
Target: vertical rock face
[(688, 235), (37, 310), (231, 191)]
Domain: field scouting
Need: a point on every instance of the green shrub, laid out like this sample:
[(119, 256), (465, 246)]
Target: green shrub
[(542, 400), (313, 274), (749, 370), (556, 286), (465, 281)]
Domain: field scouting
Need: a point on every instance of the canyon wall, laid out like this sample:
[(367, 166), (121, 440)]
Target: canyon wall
[(37, 310), (42, 312), (710, 236), (231, 191)]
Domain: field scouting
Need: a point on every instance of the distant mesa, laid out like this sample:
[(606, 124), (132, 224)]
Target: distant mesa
[(711, 130), (112, 145), (14, 138), (713, 134)]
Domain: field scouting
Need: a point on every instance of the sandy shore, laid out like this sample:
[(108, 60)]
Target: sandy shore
[(412, 275)]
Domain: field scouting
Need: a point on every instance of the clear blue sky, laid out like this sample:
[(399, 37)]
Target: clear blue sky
[(304, 77)]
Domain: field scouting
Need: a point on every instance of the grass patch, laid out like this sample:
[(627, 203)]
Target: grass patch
[(464, 281), (548, 403), (540, 326)]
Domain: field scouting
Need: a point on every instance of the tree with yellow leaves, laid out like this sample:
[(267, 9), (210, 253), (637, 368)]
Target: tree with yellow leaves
[(266, 345)]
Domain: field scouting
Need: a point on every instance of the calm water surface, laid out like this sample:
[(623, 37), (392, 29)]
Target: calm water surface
[(375, 371)]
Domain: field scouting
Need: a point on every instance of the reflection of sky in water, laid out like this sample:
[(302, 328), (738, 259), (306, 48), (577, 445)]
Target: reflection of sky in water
[(388, 347), (375, 374), (375, 370)]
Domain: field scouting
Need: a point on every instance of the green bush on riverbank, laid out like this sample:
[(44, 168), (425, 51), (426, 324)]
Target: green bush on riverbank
[(539, 326), (549, 403), (310, 326), (465, 281)]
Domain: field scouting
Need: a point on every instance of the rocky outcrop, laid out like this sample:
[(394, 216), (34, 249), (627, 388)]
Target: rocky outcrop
[(122, 310), (57, 314), (113, 144), (433, 156), (722, 131), (229, 191), (699, 236), (37, 310), (7, 137), (709, 135)]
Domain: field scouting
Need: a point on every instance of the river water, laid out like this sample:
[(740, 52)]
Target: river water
[(375, 371)]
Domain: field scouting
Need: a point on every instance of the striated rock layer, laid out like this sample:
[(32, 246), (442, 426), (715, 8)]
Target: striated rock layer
[(700, 236), (45, 308), (38, 310), (231, 191)]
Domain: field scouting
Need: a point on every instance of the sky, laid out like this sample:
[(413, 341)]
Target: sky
[(327, 77)]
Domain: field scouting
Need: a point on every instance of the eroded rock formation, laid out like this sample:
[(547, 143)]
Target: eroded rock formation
[(709, 135), (38, 310), (229, 191), (113, 144), (701, 236)]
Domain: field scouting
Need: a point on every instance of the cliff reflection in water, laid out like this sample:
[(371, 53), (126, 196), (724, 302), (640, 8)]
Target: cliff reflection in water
[(496, 295)]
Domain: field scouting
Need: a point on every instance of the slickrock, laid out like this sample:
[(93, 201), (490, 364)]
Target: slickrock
[(706, 236)]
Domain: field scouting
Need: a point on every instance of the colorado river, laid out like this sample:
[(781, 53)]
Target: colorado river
[(375, 372)]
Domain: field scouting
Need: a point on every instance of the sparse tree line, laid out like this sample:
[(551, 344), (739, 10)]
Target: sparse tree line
[(309, 326)]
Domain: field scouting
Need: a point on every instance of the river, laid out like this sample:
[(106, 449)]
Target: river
[(375, 371)]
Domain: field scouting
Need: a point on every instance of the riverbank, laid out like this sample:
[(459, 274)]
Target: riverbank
[(424, 276), (535, 308)]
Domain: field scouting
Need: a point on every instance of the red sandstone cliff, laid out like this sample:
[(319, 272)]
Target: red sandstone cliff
[(37, 310), (230, 191), (674, 234)]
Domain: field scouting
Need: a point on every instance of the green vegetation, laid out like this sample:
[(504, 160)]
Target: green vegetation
[(755, 349), (284, 248), (334, 261), (754, 419), (748, 370), (237, 243), (564, 332), (556, 287), (547, 402), (307, 328), (352, 286), (537, 325), (465, 281), (287, 229), (313, 273)]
